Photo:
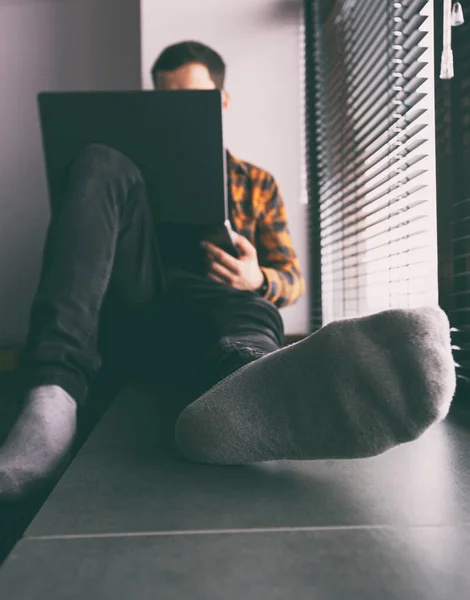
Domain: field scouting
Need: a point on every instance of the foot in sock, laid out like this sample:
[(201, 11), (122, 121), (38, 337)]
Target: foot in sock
[(39, 442), (354, 389)]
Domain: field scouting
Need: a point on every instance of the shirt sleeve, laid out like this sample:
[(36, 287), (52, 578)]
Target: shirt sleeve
[(276, 254)]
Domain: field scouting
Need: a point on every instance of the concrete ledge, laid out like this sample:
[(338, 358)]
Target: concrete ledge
[(130, 519)]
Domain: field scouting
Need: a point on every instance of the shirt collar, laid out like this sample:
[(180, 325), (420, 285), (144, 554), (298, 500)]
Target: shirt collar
[(236, 164)]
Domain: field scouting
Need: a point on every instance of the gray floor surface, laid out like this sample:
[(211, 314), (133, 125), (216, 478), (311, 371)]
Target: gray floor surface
[(130, 519)]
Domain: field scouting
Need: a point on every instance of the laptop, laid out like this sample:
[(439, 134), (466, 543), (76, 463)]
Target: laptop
[(174, 137)]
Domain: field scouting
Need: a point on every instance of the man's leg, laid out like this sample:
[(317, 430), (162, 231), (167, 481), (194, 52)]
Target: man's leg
[(216, 330), (354, 389), (100, 240), (244, 328)]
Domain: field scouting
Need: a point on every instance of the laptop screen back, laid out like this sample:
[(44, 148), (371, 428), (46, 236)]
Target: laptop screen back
[(174, 137)]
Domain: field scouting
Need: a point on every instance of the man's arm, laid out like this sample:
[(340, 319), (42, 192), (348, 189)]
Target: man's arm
[(277, 257)]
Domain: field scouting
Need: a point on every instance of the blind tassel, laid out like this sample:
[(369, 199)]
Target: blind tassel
[(453, 17), (457, 15)]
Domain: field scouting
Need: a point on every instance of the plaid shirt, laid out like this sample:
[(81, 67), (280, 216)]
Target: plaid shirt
[(258, 213)]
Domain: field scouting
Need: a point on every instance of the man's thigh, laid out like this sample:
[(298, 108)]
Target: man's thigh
[(211, 322), (215, 311)]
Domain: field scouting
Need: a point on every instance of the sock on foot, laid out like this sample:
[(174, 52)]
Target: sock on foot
[(353, 389), (38, 442)]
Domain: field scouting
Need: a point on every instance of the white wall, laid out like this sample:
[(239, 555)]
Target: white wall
[(47, 45), (260, 44)]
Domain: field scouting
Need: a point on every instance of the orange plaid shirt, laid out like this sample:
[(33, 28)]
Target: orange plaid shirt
[(257, 212)]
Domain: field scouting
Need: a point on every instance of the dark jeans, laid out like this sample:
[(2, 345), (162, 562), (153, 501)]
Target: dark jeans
[(106, 303)]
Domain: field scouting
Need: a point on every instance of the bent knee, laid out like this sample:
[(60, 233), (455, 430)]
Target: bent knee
[(105, 160)]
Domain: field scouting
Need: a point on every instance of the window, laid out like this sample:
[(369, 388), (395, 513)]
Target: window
[(373, 193)]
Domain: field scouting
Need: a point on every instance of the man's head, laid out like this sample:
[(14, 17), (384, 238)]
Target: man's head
[(189, 66)]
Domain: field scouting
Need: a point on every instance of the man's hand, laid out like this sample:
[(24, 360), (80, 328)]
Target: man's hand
[(242, 273)]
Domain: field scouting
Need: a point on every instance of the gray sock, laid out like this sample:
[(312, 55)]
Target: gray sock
[(38, 442), (354, 389)]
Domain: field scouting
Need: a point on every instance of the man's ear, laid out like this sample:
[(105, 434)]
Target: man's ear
[(225, 99)]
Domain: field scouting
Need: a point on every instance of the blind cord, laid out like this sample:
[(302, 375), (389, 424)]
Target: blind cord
[(453, 17)]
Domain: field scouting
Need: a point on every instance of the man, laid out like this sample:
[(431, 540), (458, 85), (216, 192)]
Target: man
[(356, 388)]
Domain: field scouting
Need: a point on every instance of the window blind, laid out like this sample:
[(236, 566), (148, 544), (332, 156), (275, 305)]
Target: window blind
[(374, 178)]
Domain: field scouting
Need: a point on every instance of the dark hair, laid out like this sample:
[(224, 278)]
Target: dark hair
[(186, 53)]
